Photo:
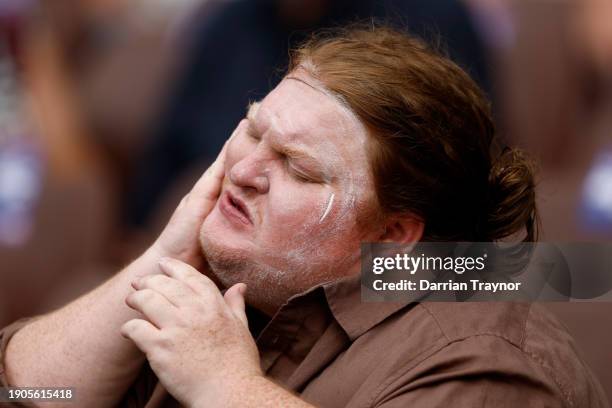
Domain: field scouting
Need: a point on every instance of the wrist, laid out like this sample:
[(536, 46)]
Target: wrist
[(229, 392), (145, 264)]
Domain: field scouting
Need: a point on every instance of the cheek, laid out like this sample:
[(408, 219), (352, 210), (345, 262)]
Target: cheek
[(296, 205), (313, 211), (341, 210)]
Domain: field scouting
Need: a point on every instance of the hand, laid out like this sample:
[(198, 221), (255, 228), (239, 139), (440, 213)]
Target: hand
[(180, 238), (196, 340)]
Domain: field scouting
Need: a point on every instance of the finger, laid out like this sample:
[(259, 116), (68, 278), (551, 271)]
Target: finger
[(234, 298), (208, 186), (173, 290), (187, 274), (203, 196), (141, 332), (155, 307)]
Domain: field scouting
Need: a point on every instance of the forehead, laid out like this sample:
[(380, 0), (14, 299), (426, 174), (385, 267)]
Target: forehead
[(300, 109)]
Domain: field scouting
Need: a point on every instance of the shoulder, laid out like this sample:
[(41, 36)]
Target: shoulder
[(517, 342), (457, 321)]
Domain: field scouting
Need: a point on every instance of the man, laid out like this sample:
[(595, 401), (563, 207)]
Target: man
[(370, 137)]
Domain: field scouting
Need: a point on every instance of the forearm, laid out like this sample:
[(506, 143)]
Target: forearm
[(80, 345), (255, 392)]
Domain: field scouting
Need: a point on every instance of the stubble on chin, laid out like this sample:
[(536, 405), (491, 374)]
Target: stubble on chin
[(267, 287)]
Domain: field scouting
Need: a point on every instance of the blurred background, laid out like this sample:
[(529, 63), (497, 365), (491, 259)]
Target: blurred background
[(111, 109)]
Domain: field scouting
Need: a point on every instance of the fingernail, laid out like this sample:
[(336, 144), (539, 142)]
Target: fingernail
[(243, 289), (164, 261)]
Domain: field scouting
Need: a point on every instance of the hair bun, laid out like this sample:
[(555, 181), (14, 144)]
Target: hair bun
[(512, 197)]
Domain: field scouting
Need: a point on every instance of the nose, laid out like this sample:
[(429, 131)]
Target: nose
[(250, 173)]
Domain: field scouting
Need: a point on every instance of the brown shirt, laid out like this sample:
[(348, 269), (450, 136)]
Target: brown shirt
[(335, 351)]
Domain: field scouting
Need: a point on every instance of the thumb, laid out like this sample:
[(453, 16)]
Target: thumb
[(234, 298)]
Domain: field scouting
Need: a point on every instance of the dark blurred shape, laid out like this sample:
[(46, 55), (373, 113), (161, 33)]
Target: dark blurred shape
[(238, 55)]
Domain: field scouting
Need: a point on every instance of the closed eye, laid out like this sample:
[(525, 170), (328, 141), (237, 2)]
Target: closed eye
[(300, 175)]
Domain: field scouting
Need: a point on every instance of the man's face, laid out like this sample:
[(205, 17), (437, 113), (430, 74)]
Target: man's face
[(296, 180)]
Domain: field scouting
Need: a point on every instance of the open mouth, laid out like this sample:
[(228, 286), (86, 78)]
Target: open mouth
[(237, 208)]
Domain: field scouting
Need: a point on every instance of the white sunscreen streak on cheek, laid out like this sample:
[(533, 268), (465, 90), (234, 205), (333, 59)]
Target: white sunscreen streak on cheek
[(330, 202)]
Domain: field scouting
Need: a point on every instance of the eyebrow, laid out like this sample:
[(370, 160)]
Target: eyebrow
[(288, 151)]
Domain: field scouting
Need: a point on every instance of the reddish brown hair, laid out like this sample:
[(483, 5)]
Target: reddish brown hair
[(433, 138)]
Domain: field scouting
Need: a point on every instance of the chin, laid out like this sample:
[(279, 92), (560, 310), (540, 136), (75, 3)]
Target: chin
[(268, 285), (219, 254)]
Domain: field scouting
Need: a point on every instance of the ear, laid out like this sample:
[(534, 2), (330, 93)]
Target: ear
[(402, 229)]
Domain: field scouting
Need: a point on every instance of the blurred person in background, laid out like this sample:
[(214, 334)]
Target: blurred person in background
[(553, 73), (593, 35), (78, 81), (49, 178)]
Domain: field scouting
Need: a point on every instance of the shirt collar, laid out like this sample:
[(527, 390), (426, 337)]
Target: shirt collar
[(354, 315)]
